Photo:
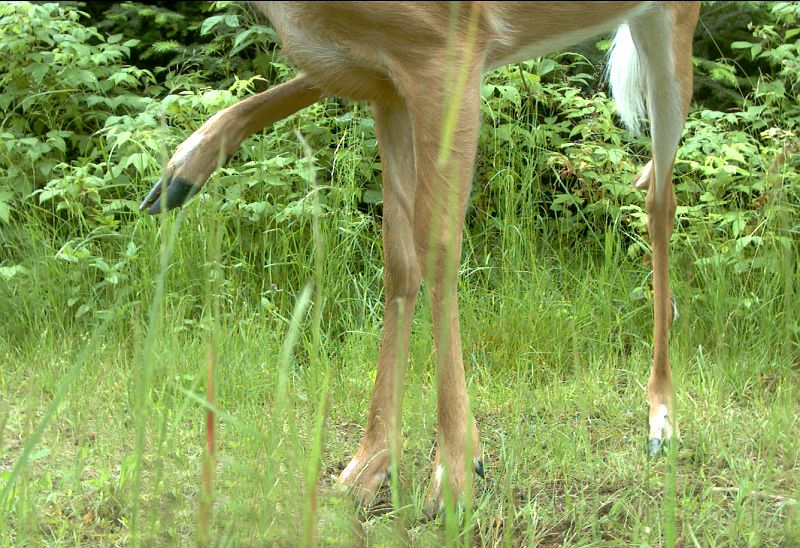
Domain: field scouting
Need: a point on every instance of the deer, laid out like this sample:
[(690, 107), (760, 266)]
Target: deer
[(420, 65)]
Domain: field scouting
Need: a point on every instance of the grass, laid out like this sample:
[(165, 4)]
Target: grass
[(557, 355)]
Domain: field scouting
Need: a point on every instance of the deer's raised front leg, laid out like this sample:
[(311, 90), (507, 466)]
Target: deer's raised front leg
[(219, 138)]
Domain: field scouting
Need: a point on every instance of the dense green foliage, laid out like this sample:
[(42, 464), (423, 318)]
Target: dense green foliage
[(85, 132), (94, 99)]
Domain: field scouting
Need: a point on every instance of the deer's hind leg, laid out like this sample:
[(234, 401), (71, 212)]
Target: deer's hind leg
[(684, 19), (653, 35)]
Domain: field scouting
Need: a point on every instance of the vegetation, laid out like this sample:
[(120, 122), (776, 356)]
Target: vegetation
[(110, 318)]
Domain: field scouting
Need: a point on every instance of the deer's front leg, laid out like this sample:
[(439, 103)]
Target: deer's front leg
[(219, 138), (402, 275), (444, 176)]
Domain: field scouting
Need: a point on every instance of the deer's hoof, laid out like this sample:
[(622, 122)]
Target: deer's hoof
[(655, 447), (363, 476), (479, 468), (178, 192)]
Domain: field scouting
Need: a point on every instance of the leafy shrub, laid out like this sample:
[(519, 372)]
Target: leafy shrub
[(92, 108)]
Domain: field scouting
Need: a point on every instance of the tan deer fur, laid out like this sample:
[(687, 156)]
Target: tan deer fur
[(420, 65)]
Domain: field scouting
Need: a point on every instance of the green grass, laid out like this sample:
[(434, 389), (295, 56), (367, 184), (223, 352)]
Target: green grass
[(556, 346)]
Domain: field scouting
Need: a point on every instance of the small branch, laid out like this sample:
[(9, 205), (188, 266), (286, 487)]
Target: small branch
[(777, 499)]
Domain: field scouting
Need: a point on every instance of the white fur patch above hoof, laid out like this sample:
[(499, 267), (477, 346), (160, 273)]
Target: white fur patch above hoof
[(437, 476), (349, 470), (661, 425), (675, 314), (186, 149)]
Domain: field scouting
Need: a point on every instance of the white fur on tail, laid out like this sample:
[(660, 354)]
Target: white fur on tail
[(628, 82)]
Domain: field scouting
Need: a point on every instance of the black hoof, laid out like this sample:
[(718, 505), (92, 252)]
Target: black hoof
[(655, 447), (178, 193), (479, 468), (431, 510)]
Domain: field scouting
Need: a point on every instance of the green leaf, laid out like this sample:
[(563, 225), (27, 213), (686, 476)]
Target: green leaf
[(8, 272), (546, 66), (40, 454), (5, 209), (84, 308), (210, 23), (373, 196)]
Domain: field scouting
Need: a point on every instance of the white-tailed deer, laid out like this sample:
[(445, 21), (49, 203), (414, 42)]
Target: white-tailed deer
[(420, 65)]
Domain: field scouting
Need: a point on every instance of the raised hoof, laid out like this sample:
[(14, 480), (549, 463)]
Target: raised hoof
[(178, 193)]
